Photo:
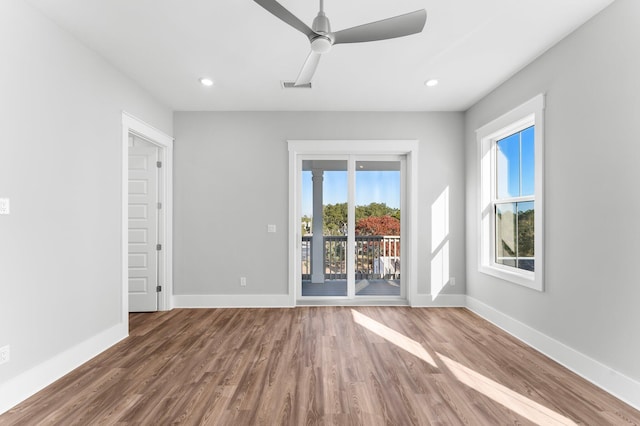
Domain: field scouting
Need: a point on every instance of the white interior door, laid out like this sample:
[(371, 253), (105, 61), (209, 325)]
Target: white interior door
[(143, 226)]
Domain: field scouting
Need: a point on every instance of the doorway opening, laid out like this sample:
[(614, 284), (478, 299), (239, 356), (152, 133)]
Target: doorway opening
[(326, 252), (351, 220)]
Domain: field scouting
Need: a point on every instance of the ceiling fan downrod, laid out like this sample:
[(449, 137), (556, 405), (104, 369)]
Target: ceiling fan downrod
[(322, 42)]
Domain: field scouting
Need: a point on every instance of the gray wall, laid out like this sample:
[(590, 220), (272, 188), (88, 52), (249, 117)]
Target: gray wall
[(60, 164), (231, 180), (592, 83)]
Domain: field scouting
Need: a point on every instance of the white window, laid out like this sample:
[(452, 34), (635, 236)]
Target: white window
[(511, 209)]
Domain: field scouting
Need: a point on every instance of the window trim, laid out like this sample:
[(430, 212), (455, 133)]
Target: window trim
[(528, 114)]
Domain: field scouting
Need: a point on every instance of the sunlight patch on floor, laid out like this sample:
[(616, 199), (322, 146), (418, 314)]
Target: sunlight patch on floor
[(520, 404), (393, 336), (512, 400)]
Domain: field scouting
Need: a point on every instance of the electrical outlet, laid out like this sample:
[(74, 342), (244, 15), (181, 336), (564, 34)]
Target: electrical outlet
[(452, 281), (5, 354), (271, 228), (243, 281)]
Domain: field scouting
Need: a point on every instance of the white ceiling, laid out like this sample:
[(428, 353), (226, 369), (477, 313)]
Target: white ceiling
[(470, 46)]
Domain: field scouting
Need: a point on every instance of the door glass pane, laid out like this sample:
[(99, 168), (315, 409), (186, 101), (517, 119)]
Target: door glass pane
[(377, 211), (324, 224)]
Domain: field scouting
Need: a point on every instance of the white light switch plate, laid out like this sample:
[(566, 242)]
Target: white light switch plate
[(4, 206), (271, 228)]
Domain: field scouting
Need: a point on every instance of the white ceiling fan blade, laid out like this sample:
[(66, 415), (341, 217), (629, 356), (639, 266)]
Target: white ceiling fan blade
[(308, 69), (398, 26), (283, 14)]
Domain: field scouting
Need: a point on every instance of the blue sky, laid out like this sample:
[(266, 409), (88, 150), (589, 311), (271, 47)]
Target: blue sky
[(516, 165), (371, 186)]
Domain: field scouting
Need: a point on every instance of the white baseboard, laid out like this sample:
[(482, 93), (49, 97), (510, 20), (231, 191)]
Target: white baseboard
[(284, 301), (614, 382), (21, 387), (232, 301), (440, 301)]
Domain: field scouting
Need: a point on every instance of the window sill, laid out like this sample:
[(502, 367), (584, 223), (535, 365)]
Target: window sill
[(524, 278)]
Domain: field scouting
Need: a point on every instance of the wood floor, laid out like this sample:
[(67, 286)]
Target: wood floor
[(319, 365)]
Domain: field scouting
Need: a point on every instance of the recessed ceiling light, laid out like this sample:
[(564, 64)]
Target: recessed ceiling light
[(431, 83), (206, 81)]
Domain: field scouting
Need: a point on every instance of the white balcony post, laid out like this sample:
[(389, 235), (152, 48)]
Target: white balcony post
[(317, 240)]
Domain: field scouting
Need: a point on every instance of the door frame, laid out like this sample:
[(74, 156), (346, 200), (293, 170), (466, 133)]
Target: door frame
[(133, 125), (408, 148)]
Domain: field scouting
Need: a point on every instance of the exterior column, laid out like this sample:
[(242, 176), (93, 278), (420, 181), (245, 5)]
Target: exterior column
[(317, 239)]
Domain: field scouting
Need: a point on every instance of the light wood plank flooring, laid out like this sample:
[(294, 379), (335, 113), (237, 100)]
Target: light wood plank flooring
[(320, 365)]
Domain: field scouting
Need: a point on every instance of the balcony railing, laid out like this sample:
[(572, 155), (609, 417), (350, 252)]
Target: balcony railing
[(377, 257)]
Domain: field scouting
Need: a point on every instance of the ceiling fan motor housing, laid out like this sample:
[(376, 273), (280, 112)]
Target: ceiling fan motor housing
[(322, 42)]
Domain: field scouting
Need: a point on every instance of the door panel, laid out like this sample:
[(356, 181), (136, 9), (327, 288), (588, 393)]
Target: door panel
[(143, 228), (378, 223), (324, 239)]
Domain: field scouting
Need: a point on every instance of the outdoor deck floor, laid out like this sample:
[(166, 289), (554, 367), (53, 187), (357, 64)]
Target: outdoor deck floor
[(379, 287)]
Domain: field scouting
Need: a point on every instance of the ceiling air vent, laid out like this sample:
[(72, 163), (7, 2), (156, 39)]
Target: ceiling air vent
[(292, 85)]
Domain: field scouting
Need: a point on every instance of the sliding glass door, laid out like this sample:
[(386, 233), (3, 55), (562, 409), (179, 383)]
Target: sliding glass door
[(350, 240)]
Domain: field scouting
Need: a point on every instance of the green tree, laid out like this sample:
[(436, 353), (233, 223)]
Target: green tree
[(526, 233), (306, 225), (376, 210), (335, 215), (335, 218)]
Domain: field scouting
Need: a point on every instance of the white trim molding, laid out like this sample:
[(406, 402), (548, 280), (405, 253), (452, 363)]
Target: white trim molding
[(439, 301), (606, 378), (21, 387), (131, 124), (232, 301), (530, 113)]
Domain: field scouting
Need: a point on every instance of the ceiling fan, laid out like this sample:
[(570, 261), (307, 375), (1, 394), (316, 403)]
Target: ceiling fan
[(322, 38)]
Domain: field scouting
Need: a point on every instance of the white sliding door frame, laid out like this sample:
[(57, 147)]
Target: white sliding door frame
[(132, 125), (304, 148)]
